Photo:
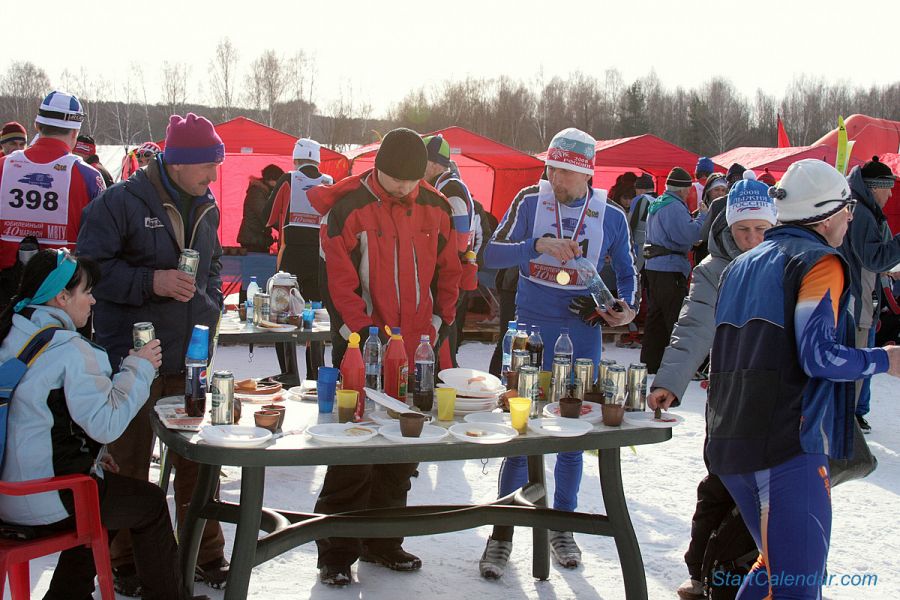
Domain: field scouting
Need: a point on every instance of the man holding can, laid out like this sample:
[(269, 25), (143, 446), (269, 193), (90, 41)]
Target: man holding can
[(138, 230), (545, 228)]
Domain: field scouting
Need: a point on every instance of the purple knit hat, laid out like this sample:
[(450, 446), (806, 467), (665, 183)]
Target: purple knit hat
[(192, 140)]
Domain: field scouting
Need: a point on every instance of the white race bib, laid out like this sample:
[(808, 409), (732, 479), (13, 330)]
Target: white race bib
[(301, 213), (34, 198)]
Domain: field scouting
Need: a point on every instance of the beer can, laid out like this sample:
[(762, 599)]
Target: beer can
[(560, 374), (614, 388), (529, 387), (602, 367), (222, 391), (520, 358), (189, 261), (262, 305), (584, 374), (636, 392), (141, 334)]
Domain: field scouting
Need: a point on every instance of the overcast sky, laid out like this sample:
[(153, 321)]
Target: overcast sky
[(383, 49)]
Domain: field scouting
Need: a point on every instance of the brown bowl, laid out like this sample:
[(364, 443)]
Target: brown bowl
[(570, 408), (613, 414), (277, 407), (267, 419)]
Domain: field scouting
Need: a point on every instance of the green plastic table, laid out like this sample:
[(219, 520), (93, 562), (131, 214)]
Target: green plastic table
[(287, 530)]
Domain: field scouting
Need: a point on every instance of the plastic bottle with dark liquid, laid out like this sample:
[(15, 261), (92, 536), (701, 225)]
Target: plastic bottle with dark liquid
[(535, 347)]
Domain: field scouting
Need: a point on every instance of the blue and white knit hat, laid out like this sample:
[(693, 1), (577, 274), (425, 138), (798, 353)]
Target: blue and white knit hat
[(60, 109), (572, 149), (749, 199)]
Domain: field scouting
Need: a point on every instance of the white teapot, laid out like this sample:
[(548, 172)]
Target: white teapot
[(285, 296)]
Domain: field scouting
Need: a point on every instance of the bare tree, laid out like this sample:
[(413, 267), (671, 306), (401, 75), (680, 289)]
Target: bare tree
[(723, 115), (223, 76), (24, 85), (267, 84), (92, 90), (175, 86)]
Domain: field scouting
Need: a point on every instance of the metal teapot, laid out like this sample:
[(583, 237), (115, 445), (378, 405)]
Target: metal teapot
[(285, 296)]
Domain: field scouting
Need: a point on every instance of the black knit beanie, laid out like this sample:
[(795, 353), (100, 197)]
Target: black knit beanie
[(876, 174), (679, 178), (644, 182), (735, 173), (402, 155)]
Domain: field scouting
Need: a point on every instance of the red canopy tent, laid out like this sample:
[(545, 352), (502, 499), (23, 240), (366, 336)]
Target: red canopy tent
[(249, 147), (646, 153), (777, 160), (872, 136), (493, 172)]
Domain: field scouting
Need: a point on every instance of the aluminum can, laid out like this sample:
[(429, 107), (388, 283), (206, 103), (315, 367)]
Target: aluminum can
[(520, 358), (189, 261), (560, 374), (602, 366), (222, 391), (262, 305), (636, 391), (529, 387), (141, 334), (614, 388), (584, 376)]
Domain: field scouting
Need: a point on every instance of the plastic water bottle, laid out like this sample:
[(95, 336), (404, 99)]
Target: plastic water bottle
[(507, 350), (588, 276), (372, 357), (252, 290), (423, 385), (563, 345)]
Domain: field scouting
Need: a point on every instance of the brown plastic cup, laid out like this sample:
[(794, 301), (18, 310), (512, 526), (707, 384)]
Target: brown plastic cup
[(613, 414), (595, 397), (267, 419), (280, 408), (411, 424), (570, 408)]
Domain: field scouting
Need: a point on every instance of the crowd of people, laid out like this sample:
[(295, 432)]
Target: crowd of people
[(774, 285)]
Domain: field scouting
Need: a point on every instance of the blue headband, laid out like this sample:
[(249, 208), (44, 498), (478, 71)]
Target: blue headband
[(55, 282)]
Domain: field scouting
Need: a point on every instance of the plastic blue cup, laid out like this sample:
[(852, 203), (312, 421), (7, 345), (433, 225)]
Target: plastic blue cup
[(326, 387)]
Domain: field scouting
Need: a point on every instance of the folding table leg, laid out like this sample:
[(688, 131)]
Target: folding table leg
[(617, 511), (192, 530), (243, 554), (540, 568)]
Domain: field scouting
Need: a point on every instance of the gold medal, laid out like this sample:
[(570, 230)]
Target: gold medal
[(563, 278)]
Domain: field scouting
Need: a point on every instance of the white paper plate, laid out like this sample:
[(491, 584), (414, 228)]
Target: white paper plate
[(645, 419), (460, 378), (305, 392), (560, 427), (282, 328), (492, 433), (468, 404), (235, 436), (430, 434), (488, 417), (381, 417), (387, 401), (336, 433), (260, 398), (593, 415), (474, 394)]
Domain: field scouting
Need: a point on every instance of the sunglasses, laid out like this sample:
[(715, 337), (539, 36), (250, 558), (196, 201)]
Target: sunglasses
[(146, 154)]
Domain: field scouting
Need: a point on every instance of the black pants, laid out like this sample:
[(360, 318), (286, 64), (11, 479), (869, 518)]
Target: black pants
[(455, 337), (125, 503), (302, 261), (713, 504), (667, 291), (360, 487), (507, 300)]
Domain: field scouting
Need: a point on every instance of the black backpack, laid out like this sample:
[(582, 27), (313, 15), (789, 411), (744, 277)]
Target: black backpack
[(730, 554)]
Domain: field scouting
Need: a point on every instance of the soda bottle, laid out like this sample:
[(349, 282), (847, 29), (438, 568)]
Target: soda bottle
[(588, 277), (372, 357), (535, 346), (252, 290), (396, 367), (507, 350), (423, 386), (195, 372), (353, 373), (521, 339), (563, 346)]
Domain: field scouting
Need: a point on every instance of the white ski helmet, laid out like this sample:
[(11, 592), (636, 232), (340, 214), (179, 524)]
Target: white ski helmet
[(809, 192), (60, 109), (307, 149)]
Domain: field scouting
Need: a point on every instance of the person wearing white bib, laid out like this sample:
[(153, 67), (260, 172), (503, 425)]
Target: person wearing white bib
[(547, 226)]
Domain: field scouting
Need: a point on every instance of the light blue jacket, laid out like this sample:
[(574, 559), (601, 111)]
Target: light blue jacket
[(670, 225)]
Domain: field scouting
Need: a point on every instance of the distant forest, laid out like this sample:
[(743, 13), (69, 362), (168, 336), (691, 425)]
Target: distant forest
[(280, 91)]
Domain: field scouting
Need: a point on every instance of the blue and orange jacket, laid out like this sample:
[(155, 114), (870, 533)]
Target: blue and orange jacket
[(783, 366)]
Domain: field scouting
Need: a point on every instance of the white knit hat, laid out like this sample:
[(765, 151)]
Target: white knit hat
[(60, 109), (810, 191), (749, 199), (572, 149), (307, 149)]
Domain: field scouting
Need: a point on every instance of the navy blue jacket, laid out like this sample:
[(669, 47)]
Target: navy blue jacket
[(132, 230)]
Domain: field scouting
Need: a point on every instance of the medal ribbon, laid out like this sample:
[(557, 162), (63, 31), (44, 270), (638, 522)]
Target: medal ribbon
[(559, 231)]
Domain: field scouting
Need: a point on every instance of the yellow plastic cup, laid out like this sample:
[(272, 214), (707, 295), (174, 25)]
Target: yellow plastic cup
[(519, 409), (446, 400), (346, 401)]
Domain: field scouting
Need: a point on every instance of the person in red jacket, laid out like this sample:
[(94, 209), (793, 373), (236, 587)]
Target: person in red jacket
[(44, 188), (390, 260)]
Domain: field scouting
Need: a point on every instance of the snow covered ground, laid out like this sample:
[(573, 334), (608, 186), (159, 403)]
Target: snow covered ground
[(660, 484)]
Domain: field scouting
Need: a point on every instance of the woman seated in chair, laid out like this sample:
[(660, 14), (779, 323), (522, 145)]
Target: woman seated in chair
[(65, 407)]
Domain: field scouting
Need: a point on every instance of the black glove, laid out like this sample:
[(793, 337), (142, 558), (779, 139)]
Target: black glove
[(587, 310)]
